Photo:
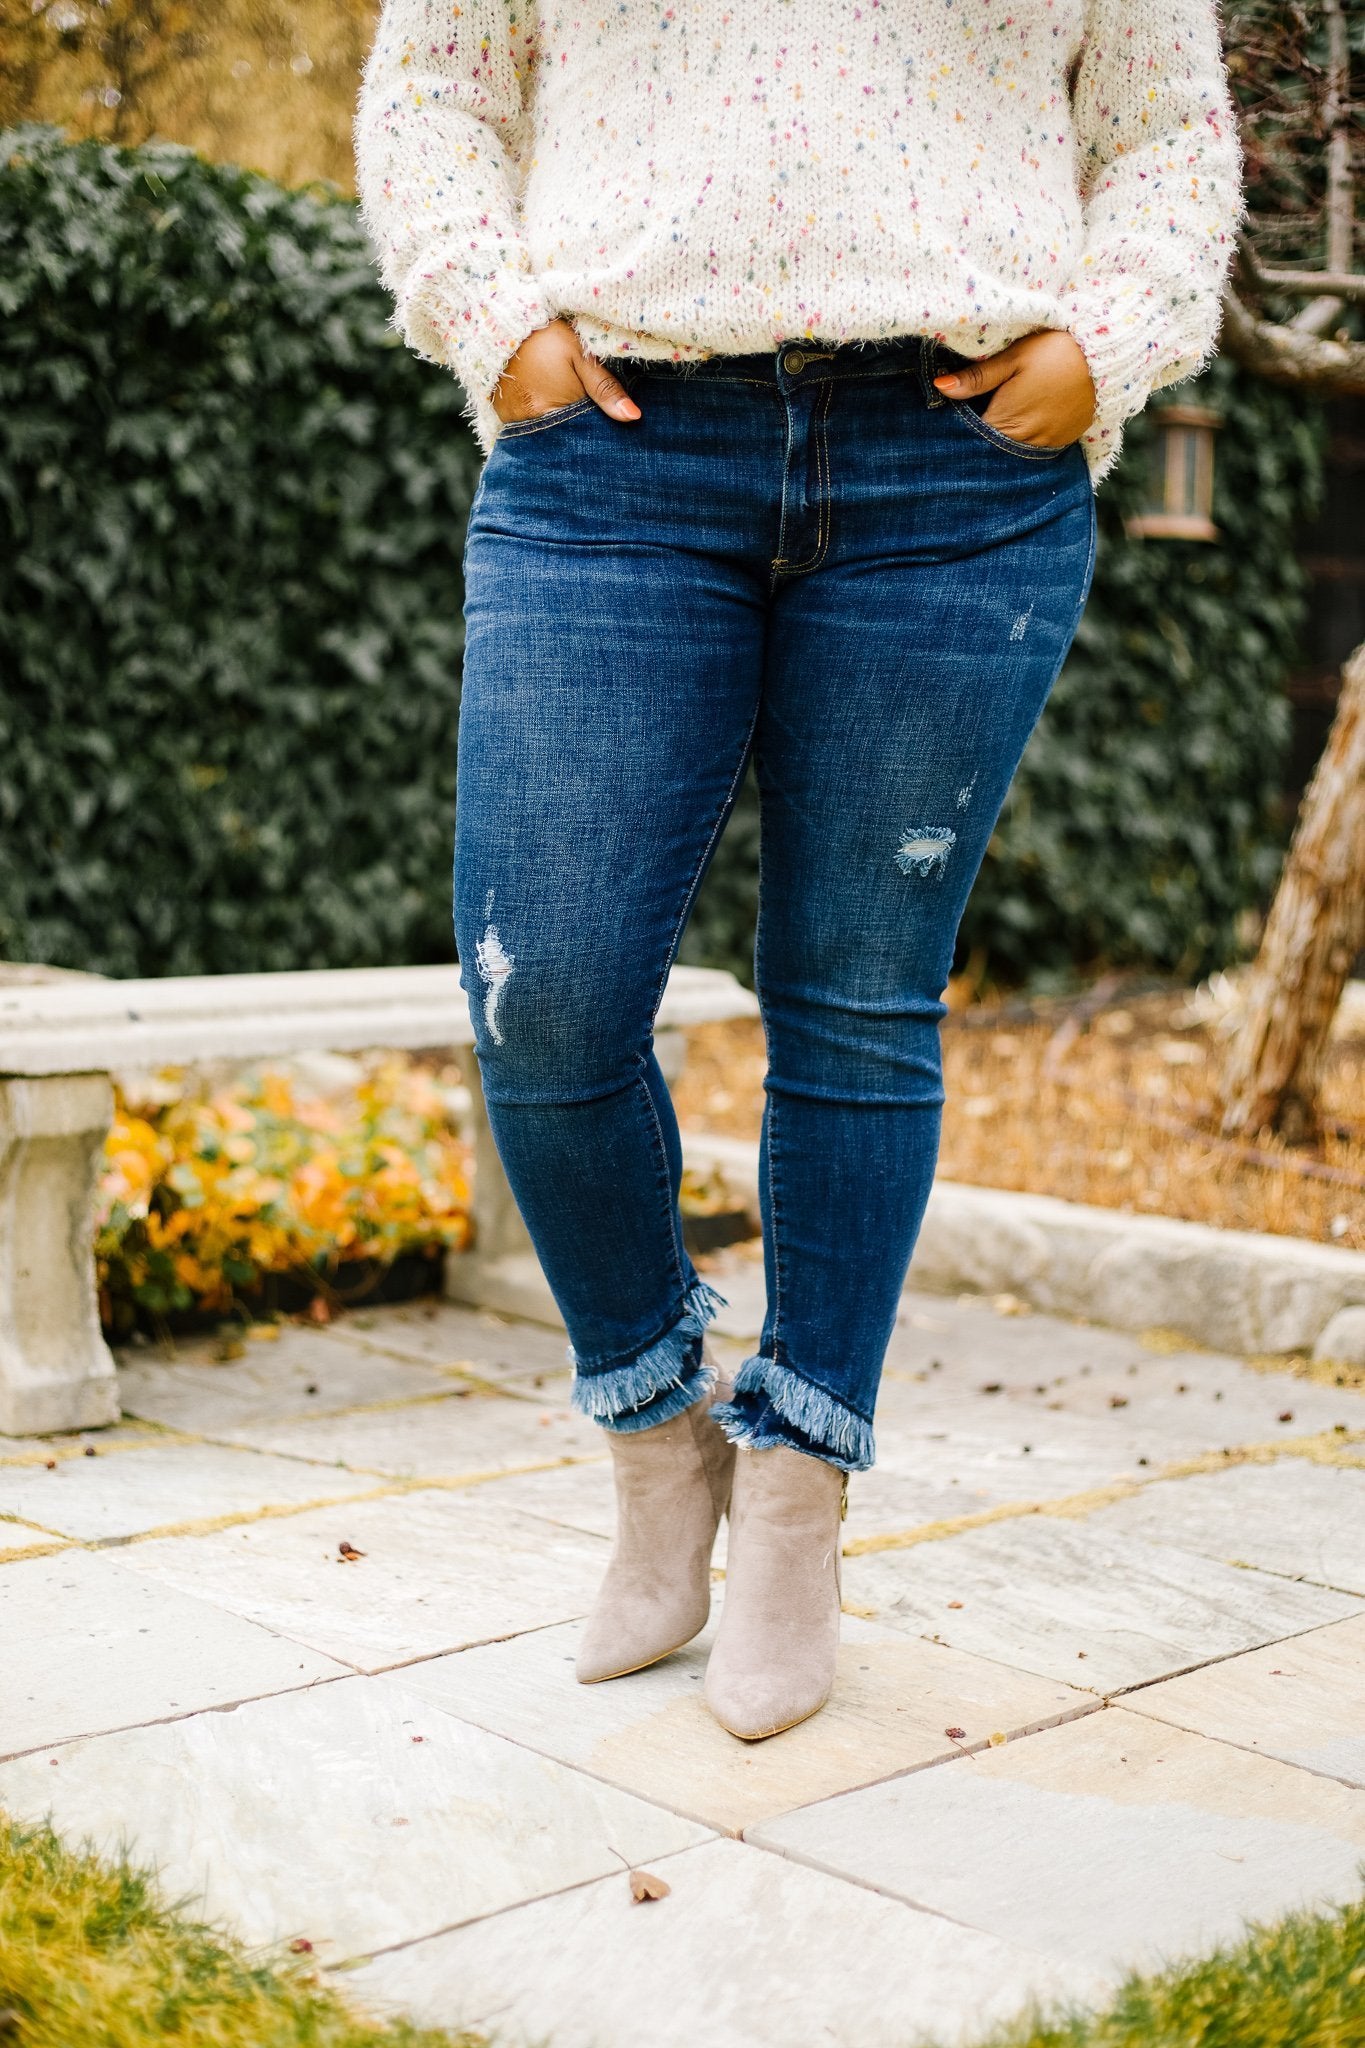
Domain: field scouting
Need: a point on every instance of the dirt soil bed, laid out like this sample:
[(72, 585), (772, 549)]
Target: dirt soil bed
[(1110, 1105)]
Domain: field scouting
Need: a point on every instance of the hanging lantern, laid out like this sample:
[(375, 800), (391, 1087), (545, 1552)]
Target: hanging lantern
[(1180, 491)]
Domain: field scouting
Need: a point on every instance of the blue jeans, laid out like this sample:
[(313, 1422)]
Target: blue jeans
[(815, 560)]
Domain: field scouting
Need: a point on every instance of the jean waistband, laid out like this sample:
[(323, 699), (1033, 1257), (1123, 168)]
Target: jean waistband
[(806, 362)]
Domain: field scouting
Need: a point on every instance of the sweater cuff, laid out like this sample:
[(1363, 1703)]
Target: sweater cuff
[(473, 324), (1120, 331)]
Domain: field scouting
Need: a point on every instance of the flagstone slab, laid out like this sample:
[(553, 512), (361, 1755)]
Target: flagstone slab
[(302, 1373), (90, 1646), (922, 1478), (456, 1339), (1070, 1600), (1304, 1520), (45, 1450), (106, 1499), (893, 1702), (1111, 1842), (963, 1330), (1112, 1424), (464, 1432), (579, 1496), (738, 1279), (18, 1537), (1302, 1701), (747, 1951), (440, 1570), (351, 1816)]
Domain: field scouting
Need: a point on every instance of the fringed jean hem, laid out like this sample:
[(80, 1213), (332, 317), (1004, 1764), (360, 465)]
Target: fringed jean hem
[(773, 1408), (661, 1382)]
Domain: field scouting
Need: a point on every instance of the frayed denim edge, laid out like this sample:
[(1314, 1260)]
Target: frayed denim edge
[(667, 1368), (842, 1437)]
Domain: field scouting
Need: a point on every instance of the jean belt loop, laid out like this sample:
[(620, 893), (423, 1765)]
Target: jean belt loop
[(929, 369)]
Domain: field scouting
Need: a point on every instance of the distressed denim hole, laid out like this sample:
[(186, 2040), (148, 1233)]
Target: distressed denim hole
[(924, 850)]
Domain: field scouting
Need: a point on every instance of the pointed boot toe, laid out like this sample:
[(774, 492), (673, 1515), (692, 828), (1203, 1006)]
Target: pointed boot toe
[(672, 1487), (773, 1663), (756, 1704)]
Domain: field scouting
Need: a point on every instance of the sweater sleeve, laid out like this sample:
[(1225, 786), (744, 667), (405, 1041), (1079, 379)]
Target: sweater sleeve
[(1159, 169), (440, 107)]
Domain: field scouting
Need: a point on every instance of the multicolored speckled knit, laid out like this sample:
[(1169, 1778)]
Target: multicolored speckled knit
[(723, 175)]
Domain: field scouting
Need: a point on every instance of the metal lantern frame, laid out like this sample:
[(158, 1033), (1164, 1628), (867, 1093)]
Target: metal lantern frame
[(1180, 506)]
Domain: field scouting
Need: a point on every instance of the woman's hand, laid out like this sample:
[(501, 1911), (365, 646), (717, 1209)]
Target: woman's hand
[(552, 368), (1043, 391)]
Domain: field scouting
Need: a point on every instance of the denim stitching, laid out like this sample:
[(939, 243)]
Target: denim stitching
[(932, 398), (776, 564), (824, 521), (961, 411), (517, 430), (775, 1212), (727, 803), (666, 370), (717, 828), (665, 1185), (770, 1101)]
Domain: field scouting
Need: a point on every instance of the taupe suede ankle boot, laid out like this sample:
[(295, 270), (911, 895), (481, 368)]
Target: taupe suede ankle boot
[(773, 1663), (672, 1487)]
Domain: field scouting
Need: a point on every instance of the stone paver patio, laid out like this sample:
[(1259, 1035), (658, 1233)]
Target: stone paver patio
[(1101, 1698)]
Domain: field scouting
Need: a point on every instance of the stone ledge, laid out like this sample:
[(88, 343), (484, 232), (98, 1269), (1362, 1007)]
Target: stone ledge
[(1237, 1291)]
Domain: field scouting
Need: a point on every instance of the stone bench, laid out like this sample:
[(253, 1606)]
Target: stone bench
[(60, 1041)]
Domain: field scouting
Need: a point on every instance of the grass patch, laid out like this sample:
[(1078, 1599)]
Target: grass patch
[(91, 1958), (1298, 1984)]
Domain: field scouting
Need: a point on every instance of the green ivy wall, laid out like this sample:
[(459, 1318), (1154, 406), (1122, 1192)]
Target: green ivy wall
[(231, 510)]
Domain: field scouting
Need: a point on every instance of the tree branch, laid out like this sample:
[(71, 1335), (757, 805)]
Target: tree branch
[(1288, 355)]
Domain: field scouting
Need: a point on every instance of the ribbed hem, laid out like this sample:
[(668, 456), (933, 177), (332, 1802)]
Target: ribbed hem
[(1128, 334), (471, 324), (820, 1425), (661, 1382)]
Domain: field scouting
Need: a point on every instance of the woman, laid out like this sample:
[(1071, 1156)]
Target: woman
[(797, 332)]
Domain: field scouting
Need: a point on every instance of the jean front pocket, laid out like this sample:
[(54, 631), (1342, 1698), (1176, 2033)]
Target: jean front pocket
[(541, 422), (1026, 451)]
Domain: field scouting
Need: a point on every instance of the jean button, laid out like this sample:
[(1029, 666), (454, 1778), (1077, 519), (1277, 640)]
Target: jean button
[(793, 362)]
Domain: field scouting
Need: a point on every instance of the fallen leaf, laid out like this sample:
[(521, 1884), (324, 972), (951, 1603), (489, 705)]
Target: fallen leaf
[(992, 1387), (300, 1946), (996, 1740), (91, 1452), (644, 1885), (311, 1388), (51, 1464), (264, 1333), (1286, 1416), (349, 1553), (1118, 1400), (956, 1734)]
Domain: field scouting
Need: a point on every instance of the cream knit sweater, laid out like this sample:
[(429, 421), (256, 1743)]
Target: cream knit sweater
[(690, 177)]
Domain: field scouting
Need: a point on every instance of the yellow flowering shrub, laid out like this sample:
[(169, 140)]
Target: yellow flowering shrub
[(204, 1196)]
